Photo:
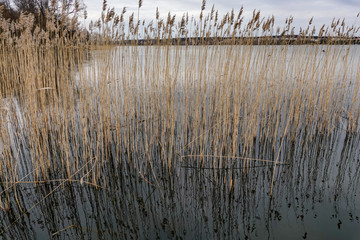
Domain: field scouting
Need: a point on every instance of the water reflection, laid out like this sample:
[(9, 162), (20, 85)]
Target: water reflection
[(131, 171), (316, 196)]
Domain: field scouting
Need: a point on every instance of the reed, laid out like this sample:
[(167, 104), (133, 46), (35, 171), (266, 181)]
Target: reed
[(145, 95)]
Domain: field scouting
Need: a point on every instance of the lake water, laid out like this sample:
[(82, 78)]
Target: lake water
[(316, 192)]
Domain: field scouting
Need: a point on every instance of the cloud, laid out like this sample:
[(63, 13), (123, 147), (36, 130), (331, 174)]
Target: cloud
[(354, 3), (323, 11)]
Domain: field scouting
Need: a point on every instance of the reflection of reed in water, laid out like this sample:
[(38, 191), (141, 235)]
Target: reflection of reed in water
[(318, 186)]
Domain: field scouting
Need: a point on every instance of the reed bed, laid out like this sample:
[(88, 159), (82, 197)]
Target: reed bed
[(203, 90)]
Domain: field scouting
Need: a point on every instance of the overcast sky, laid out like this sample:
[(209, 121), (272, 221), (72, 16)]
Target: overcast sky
[(323, 11)]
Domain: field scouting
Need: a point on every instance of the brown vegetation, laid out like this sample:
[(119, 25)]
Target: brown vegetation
[(73, 105)]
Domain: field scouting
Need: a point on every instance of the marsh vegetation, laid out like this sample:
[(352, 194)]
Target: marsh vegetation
[(102, 138)]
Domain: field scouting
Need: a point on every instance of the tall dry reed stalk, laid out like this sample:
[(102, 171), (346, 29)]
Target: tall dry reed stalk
[(72, 106)]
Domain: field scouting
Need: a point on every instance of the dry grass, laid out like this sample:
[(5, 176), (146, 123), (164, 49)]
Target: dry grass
[(73, 106)]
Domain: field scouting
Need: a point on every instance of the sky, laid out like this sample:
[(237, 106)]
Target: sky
[(323, 11)]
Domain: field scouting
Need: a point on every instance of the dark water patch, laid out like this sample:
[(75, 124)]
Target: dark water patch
[(315, 196)]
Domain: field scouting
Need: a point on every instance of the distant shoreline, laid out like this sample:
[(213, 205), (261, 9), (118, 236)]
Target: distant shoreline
[(269, 40)]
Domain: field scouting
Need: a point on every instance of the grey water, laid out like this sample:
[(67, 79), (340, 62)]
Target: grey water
[(316, 195)]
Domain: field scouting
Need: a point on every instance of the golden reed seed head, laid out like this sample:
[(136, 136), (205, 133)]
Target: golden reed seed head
[(203, 5)]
